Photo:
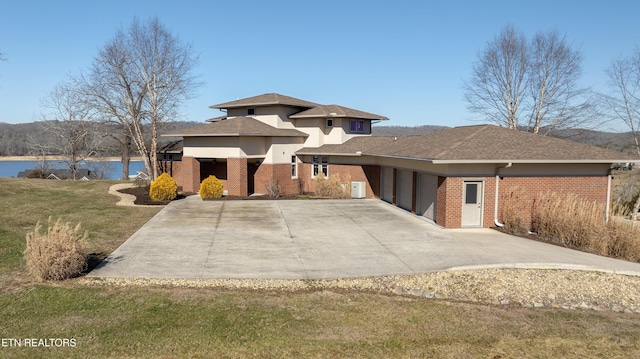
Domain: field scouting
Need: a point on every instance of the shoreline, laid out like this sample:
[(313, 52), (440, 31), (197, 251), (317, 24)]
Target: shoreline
[(62, 158)]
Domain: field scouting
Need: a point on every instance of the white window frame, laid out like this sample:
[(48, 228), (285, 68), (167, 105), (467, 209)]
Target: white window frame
[(294, 167), (320, 164)]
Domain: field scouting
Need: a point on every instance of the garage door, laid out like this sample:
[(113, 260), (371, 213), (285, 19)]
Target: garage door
[(427, 188), (387, 184), (404, 189)]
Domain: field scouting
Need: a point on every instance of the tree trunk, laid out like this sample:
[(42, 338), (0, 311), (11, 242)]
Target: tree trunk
[(125, 159), (636, 207)]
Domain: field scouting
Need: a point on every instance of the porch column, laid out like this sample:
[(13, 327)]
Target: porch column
[(237, 177)]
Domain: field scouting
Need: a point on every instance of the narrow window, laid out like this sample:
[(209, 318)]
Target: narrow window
[(360, 126), (472, 193), (320, 164), (251, 111), (353, 126), (329, 122), (294, 167)]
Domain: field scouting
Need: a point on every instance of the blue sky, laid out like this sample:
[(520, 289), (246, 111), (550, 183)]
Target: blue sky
[(402, 59)]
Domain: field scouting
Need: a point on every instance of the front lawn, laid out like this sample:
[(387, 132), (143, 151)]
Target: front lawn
[(177, 322)]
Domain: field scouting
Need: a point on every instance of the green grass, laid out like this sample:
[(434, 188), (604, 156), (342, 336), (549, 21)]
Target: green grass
[(181, 322), (172, 322), (25, 202)]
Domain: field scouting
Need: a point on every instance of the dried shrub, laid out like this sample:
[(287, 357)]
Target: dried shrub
[(164, 188), (273, 188), (211, 188), (57, 254), (514, 206), (572, 221), (331, 187)]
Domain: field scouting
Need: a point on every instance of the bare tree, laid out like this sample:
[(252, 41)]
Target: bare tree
[(499, 79), (66, 121), (624, 99), (513, 77), (141, 76), (556, 99)]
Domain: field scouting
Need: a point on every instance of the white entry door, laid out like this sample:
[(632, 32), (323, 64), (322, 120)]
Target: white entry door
[(472, 203)]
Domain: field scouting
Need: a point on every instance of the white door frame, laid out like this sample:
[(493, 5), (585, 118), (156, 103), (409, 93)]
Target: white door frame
[(472, 208)]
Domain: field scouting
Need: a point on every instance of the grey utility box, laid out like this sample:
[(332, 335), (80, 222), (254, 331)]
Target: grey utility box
[(358, 190)]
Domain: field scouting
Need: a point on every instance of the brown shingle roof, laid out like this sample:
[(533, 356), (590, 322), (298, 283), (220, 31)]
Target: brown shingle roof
[(264, 100), (336, 111), (237, 126), (476, 144)]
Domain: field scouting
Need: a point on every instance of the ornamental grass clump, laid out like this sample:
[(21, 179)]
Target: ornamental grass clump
[(57, 254), (163, 188), (514, 207), (332, 187), (211, 188)]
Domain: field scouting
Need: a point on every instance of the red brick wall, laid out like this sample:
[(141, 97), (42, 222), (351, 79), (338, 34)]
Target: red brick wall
[(185, 172), (450, 189), (525, 189), (236, 177), (368, 174), (268, 174)]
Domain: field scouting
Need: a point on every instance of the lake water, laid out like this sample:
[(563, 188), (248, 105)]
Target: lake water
[(112, 169)]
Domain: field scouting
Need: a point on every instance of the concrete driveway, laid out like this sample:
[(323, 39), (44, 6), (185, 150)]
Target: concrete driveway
[(317, 239)]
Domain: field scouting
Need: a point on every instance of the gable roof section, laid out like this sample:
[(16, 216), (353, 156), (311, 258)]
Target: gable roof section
[(266, 100), (237, 126), (336, 111), (476, 144)]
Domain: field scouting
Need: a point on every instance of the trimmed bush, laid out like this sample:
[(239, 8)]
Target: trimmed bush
[(211, 188), (164, 188), (57, 254)]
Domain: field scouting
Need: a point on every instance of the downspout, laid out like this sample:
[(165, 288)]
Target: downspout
[(608, 204), (495, 205)]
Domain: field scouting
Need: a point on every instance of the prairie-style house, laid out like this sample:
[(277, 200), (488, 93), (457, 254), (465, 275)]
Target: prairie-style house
[(456, 177)]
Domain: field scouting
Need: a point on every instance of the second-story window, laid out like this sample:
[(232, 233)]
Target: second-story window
[(356, 126), (329, 122), (251, 111)]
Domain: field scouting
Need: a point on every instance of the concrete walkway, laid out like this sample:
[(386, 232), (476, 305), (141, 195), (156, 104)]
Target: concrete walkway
[(317, 239)]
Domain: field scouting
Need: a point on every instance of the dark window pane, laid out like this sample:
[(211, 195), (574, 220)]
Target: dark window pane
[(354, 126), (472, 193)]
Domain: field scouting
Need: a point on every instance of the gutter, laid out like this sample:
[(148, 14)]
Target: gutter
[(495, 205), (607, 214)]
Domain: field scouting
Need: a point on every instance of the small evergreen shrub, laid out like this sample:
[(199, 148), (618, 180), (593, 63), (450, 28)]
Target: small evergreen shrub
[(164, 188), (57, 254), (211, 188)]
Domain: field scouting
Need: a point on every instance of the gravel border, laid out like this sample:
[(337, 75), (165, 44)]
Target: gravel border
[(535, 288), (125, 198)]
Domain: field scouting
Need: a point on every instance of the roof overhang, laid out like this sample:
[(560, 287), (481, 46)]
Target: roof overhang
[(235, 135)]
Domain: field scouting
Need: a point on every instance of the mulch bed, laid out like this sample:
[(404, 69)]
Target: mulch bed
[(142, 197)]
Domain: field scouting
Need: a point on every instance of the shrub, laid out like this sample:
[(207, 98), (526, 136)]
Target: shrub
[(57, 254), (513, 208), (211, 188), (274, 190), (571, 220), (331, 187), (164, 188)]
